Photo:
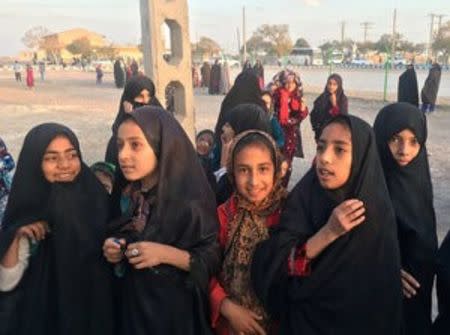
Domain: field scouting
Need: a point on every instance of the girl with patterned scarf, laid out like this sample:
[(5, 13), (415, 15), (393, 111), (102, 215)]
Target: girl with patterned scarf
[(254, 169), (291, 109), (6, 166)]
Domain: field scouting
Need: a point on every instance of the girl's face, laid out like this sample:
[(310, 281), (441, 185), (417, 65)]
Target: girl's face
[(267, 100), (105, 180), (334, 156), (254, 173), (137, 159), (227, 132), (332, 86), (291, 85), (143, 97), (404, 147), (204, 144), (60, 163)]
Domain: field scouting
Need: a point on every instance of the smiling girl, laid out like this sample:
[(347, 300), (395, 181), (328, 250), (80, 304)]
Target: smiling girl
[(255, 171)]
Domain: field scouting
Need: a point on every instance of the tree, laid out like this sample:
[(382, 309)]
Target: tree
[(256, 44), (34, 37), (207, 45), (301, 43), (107, 52), (277, 36), (441, 43), (81, 46)]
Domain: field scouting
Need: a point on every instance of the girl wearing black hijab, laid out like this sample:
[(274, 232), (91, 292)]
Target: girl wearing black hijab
[(139, 91), (401, 135), (332, 265), (245, 90), (332, 102), (408, 90), (442, 323), (164, 236), (119, 74), (50, 245), (430, 89)]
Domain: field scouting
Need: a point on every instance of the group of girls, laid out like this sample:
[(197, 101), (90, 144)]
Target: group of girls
[(351, 250)]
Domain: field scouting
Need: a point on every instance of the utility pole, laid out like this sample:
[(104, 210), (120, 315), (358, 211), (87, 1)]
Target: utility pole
[(440, 21), (244, 35), (238, 40), (343, 23), (394, 32), (366, 26), (431, 38)]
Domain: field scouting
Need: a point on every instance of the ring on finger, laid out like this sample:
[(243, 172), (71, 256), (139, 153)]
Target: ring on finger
[(134, 252)]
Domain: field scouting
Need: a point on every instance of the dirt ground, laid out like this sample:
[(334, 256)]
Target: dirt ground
[(73, 98)]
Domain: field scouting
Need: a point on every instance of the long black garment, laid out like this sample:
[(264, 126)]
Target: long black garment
[(164, 299), (411, 193), (214, 80), (354, 287), (66, 288), (320, 114), (431, 87), (408, 90), (119, 74), (132, 89), (442, 323)]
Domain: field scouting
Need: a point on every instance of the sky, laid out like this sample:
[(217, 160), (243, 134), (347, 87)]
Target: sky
[(315, 20)]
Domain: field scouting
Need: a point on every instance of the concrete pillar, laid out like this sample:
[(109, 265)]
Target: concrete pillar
[(172, 69)]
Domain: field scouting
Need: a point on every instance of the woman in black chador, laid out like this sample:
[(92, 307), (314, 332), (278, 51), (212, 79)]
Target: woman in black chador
[(332, 265), (51, 243), (408, 90), (164, 233), (331, 103), (119, 73), (431, 88), (401, 135), (139, 91)]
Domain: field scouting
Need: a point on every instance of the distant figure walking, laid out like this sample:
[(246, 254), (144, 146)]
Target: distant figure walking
[(30, 76), (431, 88), (99, 73), (17, 71), (42, 70)]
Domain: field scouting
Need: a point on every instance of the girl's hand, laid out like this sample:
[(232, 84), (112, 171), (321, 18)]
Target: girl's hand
[(143, 255), (127, 107), (303, 104), (410, 284), (112, 250), (333, 99), (346, 217), (242, 320), (35, 231)]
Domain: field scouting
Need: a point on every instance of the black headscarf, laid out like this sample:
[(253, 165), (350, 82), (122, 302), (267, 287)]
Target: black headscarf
[(66, 287), (320, 114), (245, 90), (183, 216), (442, 323), (354, 286), (241, 118), (431, 86), (408, 90), (132, 89), (412, 197)]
